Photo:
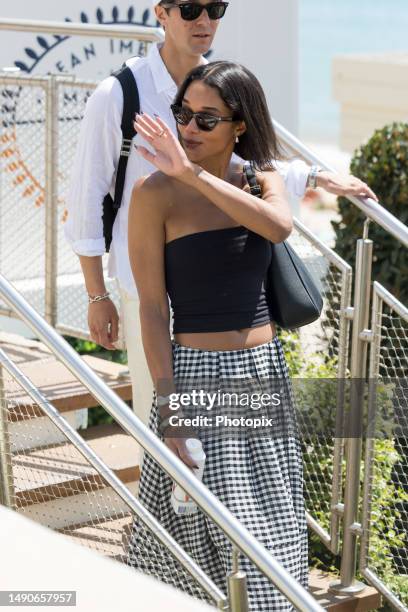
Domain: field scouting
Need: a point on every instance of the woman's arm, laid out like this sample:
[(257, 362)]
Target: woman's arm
[(270, 216), (146, 236)]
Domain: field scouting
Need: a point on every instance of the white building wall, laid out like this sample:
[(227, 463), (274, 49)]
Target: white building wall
[(262, 34)]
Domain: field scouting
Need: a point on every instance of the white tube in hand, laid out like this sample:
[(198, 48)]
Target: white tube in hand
[(183, 504)]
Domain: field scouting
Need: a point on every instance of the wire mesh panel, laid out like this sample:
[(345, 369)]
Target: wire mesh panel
[(317, 357), (22, 186), (45, 477), (25, 122), (384, 550)]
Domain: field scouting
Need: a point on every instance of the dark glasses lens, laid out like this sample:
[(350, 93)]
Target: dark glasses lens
[(191, 10), (183, 116)]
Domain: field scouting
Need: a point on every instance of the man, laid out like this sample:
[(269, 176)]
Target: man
[(190, 28)]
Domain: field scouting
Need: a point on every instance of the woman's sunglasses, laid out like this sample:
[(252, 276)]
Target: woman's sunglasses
[(204, 121), (192, 10)]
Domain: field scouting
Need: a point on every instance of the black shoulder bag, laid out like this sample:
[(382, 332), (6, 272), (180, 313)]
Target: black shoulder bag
[(131, 105), (294, 299)]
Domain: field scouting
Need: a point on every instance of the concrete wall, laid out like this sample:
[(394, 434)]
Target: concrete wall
[(35, 558), (372, 90)]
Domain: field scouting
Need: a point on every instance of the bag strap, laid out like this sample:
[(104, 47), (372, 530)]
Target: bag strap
[(131, 105), (250, 174)]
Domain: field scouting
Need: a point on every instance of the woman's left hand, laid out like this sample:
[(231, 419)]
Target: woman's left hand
[(169, 156)]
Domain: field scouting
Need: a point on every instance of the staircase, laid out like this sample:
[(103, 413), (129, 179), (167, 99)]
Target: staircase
[(55, 486)]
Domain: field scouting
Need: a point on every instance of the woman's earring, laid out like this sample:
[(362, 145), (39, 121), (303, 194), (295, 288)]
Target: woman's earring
[(237, 139)]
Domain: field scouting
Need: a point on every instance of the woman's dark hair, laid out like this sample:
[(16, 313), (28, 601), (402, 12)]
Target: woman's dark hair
[(242, 93)]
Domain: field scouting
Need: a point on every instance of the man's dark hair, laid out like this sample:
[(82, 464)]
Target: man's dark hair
[(242, 93)]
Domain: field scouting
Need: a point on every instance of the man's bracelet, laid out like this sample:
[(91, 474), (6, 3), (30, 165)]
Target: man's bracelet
[(98, 298)]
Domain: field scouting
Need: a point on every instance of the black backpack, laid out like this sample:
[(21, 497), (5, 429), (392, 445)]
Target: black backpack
[(131, 105)]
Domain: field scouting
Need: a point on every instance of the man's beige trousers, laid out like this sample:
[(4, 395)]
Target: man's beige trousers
[(142, 385)]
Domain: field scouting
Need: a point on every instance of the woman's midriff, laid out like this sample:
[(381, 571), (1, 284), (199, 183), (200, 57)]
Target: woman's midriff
[(229, 340)]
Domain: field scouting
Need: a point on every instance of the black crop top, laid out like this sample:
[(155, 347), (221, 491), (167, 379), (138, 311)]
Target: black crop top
[(216, 280)]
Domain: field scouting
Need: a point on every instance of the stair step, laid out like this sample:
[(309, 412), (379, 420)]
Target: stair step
[(110, 537), (105, 537), (40, 432), (369, 599), (60, 470), (54, 380), (79, 509)]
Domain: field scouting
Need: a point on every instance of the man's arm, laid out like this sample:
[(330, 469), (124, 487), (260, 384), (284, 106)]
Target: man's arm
[(103, 318), (296, 172), (92, 178)]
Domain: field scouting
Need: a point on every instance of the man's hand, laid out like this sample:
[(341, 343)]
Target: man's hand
[(103, 321), (344, 185)]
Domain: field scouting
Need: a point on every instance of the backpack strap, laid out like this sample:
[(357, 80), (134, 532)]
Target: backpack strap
[(131, 105), (250, 173)]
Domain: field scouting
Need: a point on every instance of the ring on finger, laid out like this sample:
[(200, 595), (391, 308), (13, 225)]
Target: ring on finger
[(161, 134)]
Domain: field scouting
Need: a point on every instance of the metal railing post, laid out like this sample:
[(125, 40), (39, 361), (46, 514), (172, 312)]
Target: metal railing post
[(51, 201), (237, 586), (6, 476), (362, 291)]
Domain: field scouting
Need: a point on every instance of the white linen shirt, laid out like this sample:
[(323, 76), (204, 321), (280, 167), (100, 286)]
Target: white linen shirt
[(96, 160)]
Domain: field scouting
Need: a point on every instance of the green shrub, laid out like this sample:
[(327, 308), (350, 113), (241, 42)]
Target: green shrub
[(87, 347), (383, 164)]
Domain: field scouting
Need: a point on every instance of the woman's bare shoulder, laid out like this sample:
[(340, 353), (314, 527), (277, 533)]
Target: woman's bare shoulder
[(152, 184), (153, 191)]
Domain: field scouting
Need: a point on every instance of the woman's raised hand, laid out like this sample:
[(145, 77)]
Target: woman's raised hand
[(169, 156)]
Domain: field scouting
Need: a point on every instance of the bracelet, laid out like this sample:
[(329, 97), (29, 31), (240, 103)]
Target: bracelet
[(98, 298), (162, 400), (312, 178), (164, 423)]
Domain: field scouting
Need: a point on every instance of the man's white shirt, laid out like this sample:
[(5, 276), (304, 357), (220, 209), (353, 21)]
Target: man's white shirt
[(97, 155)]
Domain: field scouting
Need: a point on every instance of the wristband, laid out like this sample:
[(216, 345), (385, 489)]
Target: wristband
[(164, 423), (162, 400), (98, 298)]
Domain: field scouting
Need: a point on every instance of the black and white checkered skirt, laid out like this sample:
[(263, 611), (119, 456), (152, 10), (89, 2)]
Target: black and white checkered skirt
[(258, 476)]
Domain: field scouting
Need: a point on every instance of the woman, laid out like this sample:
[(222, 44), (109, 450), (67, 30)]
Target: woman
[(197, 235)]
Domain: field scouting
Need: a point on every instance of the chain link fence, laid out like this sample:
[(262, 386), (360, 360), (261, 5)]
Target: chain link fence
[(317, 356), (384, 548), (22, 187), (27, 124)]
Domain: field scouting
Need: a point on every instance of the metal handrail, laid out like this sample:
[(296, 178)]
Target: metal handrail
[(110, 477), (142, 33), (221, 516), (372, 209)]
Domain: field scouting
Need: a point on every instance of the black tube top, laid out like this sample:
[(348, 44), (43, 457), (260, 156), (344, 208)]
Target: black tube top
[(216, 280)]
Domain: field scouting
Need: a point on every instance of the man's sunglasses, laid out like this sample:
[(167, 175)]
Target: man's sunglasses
[(192, 10), (204, 121)]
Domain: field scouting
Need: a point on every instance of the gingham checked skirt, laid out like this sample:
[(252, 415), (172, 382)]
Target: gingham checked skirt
[(258, 478)]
